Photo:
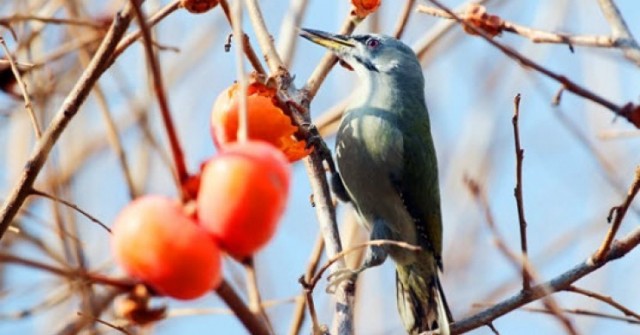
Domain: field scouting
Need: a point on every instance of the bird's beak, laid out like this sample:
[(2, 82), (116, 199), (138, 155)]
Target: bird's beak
[(332, 42)]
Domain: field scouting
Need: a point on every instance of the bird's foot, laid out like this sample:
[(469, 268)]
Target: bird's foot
[(339, 276)]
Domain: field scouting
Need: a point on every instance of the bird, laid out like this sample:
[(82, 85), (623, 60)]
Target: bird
[(387, 168)]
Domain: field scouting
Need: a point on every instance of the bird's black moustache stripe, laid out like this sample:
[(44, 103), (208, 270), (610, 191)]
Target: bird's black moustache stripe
[(367, 64)]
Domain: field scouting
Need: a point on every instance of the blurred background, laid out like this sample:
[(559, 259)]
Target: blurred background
[(579, 159)]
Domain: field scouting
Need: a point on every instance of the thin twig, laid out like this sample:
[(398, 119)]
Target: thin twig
[(618, 250), (606, 299), (438, 31), (629, 111), (618, 212), (28, 106), (403, 19), (128, 40), (182, 312), (314, 280), (517, 192), (182, 174), (84, 55), (288, 30), (535, 35), (236, 23), (583, 312), (298, 311), (255, 300), (67, 111), (493, 328), (52, 20), (265, 41), (242, 312), (620, 31), (105, 323), (246, 45), (53, 298), (114, 141), (316, 328), (71, 274), (72, 206), (517, 260), (101, 303)]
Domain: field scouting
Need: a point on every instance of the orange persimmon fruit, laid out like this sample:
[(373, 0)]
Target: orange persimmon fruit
[(243, 193), (265, 121), (362, 8), (198, 6), (155, 240)]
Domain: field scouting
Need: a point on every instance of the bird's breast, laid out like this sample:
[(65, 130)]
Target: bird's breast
[(369, 153)]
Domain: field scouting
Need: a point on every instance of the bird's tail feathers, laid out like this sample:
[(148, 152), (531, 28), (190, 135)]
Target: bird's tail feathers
[(421, 301)]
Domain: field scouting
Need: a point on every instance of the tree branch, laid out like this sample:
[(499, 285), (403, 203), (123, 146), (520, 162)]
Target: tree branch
[(67, 111), (621, 33), (629, 111), (517, 192), (618, 250), (619, 212)]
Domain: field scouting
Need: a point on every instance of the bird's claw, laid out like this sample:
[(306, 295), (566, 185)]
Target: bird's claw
[(338, 277), (313, 139)]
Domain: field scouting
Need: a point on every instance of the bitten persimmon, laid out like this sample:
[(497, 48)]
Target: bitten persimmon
[(265, 121), (243, 193), (156, 241)]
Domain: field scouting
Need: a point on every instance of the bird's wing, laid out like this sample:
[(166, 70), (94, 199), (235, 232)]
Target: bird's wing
[(418, 185)]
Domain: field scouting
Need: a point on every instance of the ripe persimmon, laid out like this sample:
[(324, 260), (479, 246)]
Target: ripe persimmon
[(155, 240), (265, 121), (362, 8), (243, 193)]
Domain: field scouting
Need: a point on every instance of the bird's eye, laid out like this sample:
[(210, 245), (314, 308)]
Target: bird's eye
[(372, 43)]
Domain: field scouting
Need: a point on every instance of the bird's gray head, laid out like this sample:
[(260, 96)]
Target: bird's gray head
[(370, 53)]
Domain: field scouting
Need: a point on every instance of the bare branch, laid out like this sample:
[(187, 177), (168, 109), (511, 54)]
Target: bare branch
[(606, 299), (67, 111), (255, 299), (517, 192), (403, 19), (72, 206), (629, 111), (620, 31), (619, 249), (619, 212), (182, 175), (246, 46), (71, 274), (314, 260), (51, 20), (518, 260), (288, 36), (264, 38), (28, 106), (244, 314)]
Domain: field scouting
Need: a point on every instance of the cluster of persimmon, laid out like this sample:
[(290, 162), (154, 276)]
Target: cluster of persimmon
[(176, 247)]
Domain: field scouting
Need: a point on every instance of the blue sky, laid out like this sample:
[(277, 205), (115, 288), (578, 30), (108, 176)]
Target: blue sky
[(469, 87)]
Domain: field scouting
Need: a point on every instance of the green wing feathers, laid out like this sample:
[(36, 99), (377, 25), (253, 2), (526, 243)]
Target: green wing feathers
[(419, 187)]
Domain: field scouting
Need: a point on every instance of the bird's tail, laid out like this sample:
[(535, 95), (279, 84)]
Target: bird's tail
[(421, 301)]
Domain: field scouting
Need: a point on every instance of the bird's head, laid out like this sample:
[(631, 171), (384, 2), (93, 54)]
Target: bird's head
[(369, 54)]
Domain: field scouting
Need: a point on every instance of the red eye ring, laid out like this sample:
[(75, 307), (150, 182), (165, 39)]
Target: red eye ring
[(372, 43)]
